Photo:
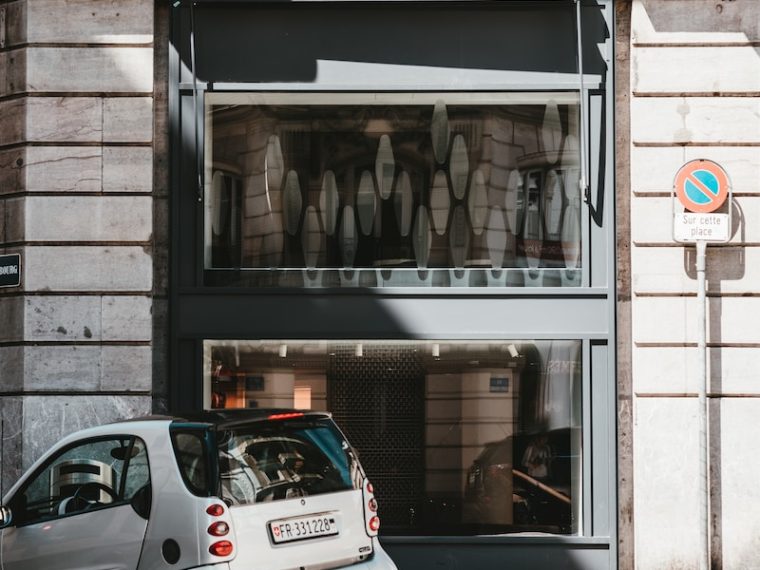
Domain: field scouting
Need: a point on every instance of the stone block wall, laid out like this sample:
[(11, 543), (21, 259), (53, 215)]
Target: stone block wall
[(77, 201), (695, 93)]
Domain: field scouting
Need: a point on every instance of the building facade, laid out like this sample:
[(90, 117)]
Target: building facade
[(449, 224)]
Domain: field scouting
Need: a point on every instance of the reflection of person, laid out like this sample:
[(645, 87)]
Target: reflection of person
[(537, 457), (218, 400)]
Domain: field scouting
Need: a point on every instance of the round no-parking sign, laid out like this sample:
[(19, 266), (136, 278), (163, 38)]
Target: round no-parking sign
[(701, 186)]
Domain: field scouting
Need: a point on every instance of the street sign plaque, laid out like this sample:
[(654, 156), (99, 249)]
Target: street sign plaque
[(10, 270)]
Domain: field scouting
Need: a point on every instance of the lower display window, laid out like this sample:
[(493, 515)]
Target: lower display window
[(459, 438)]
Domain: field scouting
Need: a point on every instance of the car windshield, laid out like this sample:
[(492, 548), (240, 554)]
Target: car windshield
[(282, 459)]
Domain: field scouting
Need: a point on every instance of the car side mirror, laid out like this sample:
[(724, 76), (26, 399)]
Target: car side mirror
[(6, 516)]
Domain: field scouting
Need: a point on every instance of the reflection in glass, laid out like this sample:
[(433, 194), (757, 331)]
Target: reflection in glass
[(440, 202), (459, 167), (365, 202), (533, 229), (292, 203), (553, 206), (384, 167), (459, 437), (571, 226), (496, 237), (311, 237), (551, 132), (385, 155), (348, 237), (329, 202), (273, 164), (422, 238), (459, 237), (477, 203), (440, 131), (403, 203)]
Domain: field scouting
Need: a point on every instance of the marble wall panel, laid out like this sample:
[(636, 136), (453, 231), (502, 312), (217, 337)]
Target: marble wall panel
[(12, 319), (97, 21), (674, 370), (652, 220), (90, 69), (62, 169), (695, 120), (731, 320), (672, 270), (11, 368), (85, 368), (662, 22), (695, 69), (11, 416), (128, 119), (88, 268), (127, 169), (739, 491), (49, 418), (89, 218), (666, 489), (654, 169)]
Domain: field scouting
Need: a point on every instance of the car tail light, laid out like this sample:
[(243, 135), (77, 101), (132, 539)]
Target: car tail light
[(374, 524), (286, 416), (219, 529), (371, 520), (221, 548), (215, 510)]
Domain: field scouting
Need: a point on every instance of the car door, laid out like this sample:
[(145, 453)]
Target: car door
[(85, 509)]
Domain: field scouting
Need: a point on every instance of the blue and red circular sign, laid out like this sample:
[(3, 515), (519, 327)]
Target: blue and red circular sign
[(701, 186)]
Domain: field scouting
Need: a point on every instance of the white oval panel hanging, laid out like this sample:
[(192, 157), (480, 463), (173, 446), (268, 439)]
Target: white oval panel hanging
[(440, 202), (329, 202)]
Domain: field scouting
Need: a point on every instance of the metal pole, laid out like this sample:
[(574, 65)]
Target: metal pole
[(704, 487)]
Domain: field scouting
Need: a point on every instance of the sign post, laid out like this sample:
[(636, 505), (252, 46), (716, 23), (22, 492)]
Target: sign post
[(702, 187)]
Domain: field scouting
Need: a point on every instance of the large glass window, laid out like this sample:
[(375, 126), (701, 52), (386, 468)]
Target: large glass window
[(404, 189), (458, 438)]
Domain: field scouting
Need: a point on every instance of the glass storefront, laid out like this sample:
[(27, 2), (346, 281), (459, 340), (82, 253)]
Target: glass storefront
[(459, 438), (377, 212), (382, 189)]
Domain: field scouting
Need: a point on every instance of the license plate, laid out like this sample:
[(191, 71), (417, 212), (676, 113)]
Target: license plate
[(302, 528)]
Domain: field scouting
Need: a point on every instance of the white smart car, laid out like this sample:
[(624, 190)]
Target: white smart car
[(245, 490)]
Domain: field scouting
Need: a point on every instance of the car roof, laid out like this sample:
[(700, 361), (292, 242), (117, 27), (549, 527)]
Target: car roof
[(229, 418)]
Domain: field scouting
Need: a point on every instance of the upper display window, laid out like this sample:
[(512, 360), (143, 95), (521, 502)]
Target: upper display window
[(392, 190)]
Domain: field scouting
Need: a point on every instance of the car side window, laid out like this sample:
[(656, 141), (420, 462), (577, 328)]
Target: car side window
[(91, 475), (191, 454)]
